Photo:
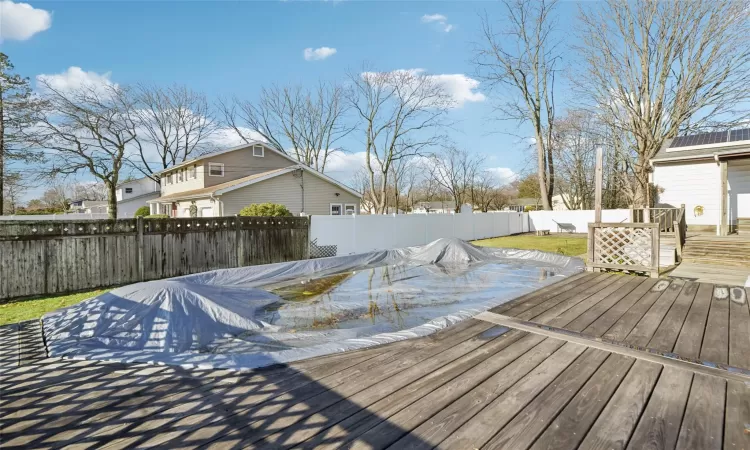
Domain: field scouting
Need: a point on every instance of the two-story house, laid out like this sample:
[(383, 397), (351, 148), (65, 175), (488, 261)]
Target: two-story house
[(224, 182), (133, 194)]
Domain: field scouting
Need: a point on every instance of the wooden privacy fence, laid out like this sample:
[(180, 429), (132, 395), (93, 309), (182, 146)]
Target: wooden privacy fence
[(66, 256), (624, 246)]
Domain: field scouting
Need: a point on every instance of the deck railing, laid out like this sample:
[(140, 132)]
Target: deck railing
[(632, 247), (670, 220)]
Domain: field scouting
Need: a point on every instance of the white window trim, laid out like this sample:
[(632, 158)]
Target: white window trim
[(129, 190), (341, 209), (354, 211), (215, 165), (262, 151)]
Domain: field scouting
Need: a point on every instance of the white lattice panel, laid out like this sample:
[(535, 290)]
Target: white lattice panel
[(623, 246)]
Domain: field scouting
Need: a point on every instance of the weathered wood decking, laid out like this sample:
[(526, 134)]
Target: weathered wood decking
[(595, 361)]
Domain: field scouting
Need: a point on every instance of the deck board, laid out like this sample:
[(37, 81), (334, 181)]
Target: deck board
[(474, 385)]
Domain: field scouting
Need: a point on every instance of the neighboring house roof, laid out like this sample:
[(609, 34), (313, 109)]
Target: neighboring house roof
[(704, 146), (229, 150), (437, 205), (526, 201), (229, 186)]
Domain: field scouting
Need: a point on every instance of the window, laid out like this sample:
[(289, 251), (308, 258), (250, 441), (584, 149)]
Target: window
[(173, 178), (350, 209), (335, 209), (166, 179), (258, 151), (193, 172), (215, 169), (179, 175), (128, 190)]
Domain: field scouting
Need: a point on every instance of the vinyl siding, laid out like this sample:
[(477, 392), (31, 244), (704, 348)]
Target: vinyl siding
[(285, 189), (242, 163), (694, 184), (185, 185), (738, 177)]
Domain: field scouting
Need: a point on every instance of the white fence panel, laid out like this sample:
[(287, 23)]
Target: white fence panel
[(357, 234), (576, 221), (484, 226)]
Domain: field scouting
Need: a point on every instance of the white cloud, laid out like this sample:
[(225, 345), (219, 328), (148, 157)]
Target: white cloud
[(461, 88), (503, 175), (440, 20), (343, 166), (20, 21), (318, 54), (225, 137), (76, 78)]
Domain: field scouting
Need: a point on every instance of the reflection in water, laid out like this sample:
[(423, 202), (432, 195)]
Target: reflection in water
[(392, 298)]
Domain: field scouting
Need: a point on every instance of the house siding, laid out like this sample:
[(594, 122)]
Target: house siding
[(185, 185), (694, 184), (738, 178), (285, 189), (242, 163)]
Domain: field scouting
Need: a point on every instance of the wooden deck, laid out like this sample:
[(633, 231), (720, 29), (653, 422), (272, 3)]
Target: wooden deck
[(595, 361)]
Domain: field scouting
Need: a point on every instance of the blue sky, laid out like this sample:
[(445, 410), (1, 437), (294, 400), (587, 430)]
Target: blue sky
[(235, 48)]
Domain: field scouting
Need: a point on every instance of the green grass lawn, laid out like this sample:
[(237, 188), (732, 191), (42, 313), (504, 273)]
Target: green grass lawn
[(20, 310), (569, 245)]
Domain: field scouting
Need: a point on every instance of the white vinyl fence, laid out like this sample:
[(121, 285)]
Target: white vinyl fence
[(345, 235), (573, 221), (39, 217)]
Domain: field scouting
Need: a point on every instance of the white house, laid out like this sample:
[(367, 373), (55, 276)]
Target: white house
[(710, 174), (88, 207), (439, 207), (131, 195)]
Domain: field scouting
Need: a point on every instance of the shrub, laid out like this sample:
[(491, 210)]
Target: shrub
[(142, 211), (265, 209), (157, 216)]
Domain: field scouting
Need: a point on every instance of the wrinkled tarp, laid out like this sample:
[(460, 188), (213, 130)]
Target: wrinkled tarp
[(259, 315)]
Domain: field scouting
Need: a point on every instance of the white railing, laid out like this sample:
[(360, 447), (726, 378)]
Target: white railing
[(364, 233)]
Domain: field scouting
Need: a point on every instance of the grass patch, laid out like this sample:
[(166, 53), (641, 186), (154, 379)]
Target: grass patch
[(15, 311), (566, 244)]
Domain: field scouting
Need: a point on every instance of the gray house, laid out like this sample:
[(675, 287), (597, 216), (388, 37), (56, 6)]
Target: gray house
[(223, 182)]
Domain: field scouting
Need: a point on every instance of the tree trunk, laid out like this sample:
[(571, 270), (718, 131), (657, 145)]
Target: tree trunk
[(111, 200), (542, 174), (2, 156)]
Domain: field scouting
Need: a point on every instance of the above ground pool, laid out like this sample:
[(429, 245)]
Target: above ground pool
[(255, 316)]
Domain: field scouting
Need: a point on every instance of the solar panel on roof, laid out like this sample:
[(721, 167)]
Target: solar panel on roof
[(739, 135), (715, 137)]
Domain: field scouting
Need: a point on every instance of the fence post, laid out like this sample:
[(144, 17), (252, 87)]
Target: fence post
[(141, 266), (655, 252), (239, 241), (590, 248)]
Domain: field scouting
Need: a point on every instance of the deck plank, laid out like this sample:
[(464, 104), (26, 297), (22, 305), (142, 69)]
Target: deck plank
[(582, 291), (471, 421), (532, 299), (625, 324), (666, 335), (737, 417), (531, 422), (614, 425), (703, 423), (571, 425), (691, 335), (646, 327)]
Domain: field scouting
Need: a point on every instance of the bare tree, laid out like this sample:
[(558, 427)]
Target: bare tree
[(14, 188), (87, 130), (18, 106), (455, 171), (520, 61), (402, 113), (292, 119), (175, 125), (88, 191), (657, 68), (577, 135), (486, 191)]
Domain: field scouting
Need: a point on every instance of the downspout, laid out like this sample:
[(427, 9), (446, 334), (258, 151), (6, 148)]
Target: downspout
[(219, 203)]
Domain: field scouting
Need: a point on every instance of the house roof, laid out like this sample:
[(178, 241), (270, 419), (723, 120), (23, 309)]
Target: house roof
[(229, 150), (229, 186), (705, 146)]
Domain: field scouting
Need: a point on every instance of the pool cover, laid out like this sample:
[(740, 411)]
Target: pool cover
[(260, 315)]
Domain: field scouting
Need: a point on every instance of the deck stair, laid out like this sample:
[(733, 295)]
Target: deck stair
[(719, 250)]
